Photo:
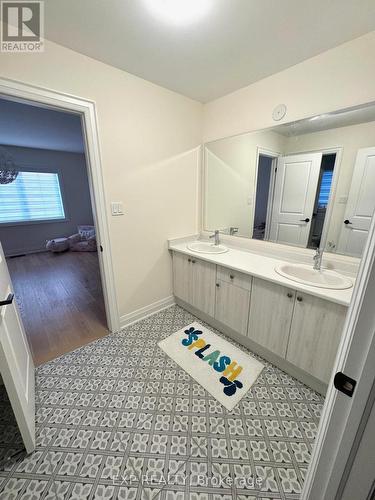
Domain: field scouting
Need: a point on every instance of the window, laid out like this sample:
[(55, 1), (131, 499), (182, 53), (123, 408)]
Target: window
[(325, 188), (33, 196)]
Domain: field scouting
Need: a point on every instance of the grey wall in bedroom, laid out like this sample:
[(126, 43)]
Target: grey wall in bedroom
[(28, 238)]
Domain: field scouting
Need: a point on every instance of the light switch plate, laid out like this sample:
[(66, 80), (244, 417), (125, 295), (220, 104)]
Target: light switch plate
[(117, 208)]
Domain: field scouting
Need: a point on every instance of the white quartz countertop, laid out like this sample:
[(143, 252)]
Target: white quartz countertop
[(263, 267)]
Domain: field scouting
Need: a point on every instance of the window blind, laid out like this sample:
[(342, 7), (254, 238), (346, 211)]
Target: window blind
[(325, 188), (33, 196)]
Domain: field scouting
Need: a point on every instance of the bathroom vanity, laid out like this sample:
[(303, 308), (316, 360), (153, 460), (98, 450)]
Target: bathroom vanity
[(293, 325)]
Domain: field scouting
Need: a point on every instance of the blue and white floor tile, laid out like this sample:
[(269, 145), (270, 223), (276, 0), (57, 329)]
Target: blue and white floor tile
[(118, 419)]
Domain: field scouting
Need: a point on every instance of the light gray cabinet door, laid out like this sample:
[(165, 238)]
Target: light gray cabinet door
[(315, 335), (232, 305), (270, 317), (203, 278), (182, 276)]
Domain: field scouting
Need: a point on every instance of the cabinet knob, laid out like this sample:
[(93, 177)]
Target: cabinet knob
[(218, 285), (231, 276), (300, 299), (193, 261), (189, 260), (289, 295)]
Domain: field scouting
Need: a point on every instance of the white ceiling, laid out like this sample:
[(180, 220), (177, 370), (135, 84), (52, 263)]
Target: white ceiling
[(238, 43), (34, 127)]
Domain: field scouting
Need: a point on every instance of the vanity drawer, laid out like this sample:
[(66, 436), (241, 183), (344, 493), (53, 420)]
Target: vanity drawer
[(234, 277)]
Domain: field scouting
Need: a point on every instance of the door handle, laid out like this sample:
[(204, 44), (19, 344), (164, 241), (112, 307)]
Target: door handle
[(344, 383), (347, 221), (8, 300), (305, 220)]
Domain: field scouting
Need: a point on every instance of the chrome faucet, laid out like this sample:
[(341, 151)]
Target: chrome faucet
[(216, 235), (318, 259)]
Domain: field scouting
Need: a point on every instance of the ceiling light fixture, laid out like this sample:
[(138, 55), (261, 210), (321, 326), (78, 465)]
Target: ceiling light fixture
[(179, 12)]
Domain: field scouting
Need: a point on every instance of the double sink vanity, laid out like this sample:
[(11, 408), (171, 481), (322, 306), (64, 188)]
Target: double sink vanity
[(290, 314), (278, 200)]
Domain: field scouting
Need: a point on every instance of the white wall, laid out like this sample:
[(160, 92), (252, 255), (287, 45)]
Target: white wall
[(27, 238), (339, 78), (149, 138)]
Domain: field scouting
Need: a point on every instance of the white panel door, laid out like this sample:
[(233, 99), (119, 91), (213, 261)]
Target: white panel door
[(360, 206), (296, 183), (16, 364)]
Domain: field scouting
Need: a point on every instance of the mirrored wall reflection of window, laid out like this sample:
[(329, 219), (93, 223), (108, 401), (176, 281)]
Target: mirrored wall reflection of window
[(309, 183)]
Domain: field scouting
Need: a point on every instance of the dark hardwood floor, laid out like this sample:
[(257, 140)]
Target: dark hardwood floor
[(61, 301)]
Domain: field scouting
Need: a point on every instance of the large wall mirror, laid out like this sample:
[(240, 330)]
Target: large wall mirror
[(309, 183)]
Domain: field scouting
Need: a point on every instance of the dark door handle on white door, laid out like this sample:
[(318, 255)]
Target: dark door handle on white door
[(347, 221), (7, 301), (305, 220)]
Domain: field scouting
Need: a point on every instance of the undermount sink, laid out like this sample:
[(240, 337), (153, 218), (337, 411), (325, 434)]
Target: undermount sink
[(204, 247), (309, 276)]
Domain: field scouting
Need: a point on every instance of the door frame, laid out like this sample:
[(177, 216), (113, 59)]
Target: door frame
[(50, 99), (274, 155)]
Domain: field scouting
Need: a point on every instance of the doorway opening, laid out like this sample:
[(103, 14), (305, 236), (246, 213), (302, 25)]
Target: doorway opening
[(47, 229), (263, 195), (321, 199)]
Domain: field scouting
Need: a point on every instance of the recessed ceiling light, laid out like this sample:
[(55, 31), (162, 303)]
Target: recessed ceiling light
[(179, 12)]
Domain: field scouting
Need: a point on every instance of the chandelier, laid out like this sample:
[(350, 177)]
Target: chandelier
[(8, 169)]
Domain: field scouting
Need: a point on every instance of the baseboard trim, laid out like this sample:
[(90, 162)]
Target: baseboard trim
[(16, 253), (145, 312)]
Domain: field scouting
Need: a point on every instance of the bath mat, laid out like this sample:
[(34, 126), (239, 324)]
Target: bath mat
[(225, 371)]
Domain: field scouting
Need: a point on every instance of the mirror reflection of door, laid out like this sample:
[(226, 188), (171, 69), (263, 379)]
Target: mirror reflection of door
[(296, 183), (360, 206), (302, 189)]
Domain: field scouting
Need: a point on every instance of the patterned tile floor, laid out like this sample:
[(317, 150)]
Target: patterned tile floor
[(118, 419)]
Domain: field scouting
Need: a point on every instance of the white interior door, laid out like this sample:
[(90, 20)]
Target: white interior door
[(296, 183), (360, 206), (16, 363)]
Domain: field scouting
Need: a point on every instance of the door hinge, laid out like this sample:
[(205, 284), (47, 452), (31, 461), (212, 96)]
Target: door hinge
[(344, 384)]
